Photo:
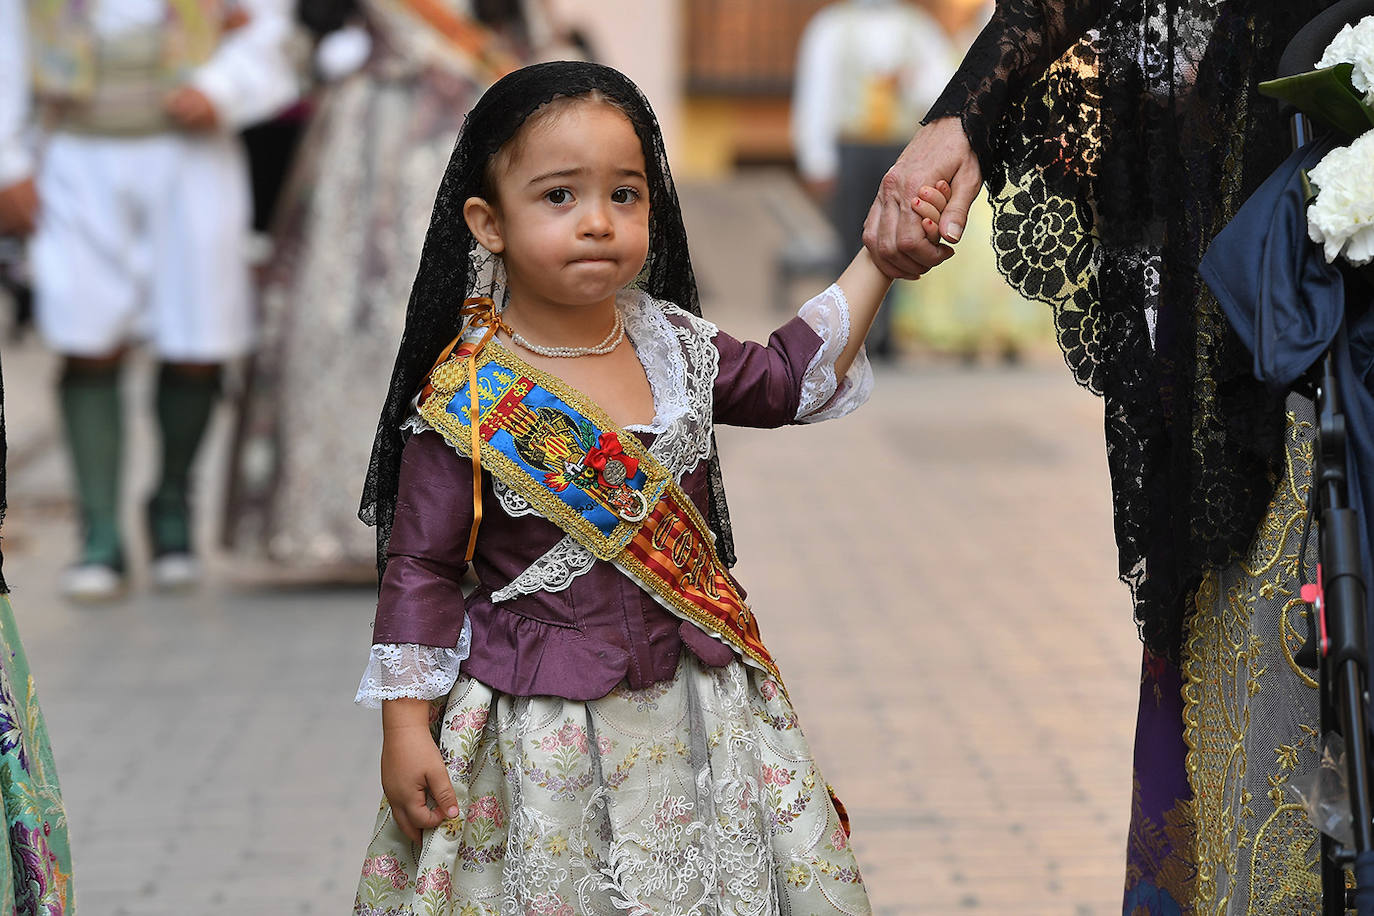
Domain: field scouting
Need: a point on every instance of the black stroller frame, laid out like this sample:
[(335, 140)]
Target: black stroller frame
[(1339, 635), (1338, 644)]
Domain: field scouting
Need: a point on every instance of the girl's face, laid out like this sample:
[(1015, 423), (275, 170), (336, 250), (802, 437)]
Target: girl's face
[(571, 214)]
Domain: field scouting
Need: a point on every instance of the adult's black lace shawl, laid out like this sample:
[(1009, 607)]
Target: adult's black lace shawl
[(1116, 138), (446, 273)]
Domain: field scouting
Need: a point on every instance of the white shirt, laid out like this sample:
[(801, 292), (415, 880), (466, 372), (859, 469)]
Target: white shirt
[(844, 46), (249, 78)]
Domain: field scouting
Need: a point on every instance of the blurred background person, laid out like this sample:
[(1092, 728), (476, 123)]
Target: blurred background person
[(867, 70), (139, 209), (14, 280), (969, 309), (346, 245)]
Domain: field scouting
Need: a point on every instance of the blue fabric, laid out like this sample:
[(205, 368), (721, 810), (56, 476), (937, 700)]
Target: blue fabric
[(1285, 302)]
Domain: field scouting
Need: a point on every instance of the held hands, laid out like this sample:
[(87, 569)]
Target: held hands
[(191, 109), (19, 208), (895, 233), (413, 771), (864, 285)]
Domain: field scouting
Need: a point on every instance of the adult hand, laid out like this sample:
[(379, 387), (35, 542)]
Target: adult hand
[(235, 17), (19, 208), (191, 109), (893, 232)]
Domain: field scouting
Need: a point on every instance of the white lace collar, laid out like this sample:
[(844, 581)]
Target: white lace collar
[(655, 343)]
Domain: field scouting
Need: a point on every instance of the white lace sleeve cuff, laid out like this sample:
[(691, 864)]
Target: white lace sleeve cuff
[(823, 396), (398, 670)]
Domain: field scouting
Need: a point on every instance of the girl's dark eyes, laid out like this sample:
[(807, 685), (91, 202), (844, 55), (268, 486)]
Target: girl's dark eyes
[(560, 196)]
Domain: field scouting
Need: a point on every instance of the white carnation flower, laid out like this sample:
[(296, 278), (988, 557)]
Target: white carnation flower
[(1341, 219), (1354, 44)]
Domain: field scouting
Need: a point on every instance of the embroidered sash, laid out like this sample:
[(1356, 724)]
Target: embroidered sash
[(550, 444)]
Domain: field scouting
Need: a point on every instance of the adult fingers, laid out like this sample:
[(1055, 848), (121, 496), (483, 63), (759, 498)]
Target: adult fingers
[(963, 188), (175, 103), (913, 243), (190, 108), (23, 220), (874, 239)]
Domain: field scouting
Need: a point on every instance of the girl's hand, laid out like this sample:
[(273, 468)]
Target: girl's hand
[(929, 204), (413, 770)]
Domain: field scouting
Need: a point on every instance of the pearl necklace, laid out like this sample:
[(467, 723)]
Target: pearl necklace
[(612, 341)]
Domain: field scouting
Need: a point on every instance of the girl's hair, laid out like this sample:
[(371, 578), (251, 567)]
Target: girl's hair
[(448, 274), (549, 111)]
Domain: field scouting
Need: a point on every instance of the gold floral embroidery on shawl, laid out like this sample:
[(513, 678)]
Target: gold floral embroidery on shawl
[(1250, 716)]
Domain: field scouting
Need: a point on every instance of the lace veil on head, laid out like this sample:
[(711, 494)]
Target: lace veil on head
[(449, 272)]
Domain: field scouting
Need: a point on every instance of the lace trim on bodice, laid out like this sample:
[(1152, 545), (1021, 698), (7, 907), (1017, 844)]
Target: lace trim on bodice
[(512, 502), (681, 362), (552, 572)]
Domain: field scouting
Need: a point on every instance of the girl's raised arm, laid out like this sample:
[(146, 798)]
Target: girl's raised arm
[(864, 285)]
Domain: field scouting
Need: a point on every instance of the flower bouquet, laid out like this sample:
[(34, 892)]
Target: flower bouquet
[(1339, 94)]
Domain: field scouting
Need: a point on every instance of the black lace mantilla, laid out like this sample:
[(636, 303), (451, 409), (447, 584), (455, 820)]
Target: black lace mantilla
[(1117, 138)]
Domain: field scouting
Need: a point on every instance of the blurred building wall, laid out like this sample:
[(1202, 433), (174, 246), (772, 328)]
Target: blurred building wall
[(740, 55), (643, 39), (718, 72)]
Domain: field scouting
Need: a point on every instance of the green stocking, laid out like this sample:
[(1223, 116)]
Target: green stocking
[(94, 424), (184, 404)]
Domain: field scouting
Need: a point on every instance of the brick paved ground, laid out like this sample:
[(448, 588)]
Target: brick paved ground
[(933, 573)]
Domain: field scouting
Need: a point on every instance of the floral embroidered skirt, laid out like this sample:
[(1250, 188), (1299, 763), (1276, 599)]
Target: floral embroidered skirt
[(36, 865), (696, 795)]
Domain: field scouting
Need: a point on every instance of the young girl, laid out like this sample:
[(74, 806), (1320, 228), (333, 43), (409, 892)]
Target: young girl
[(613, 735)]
